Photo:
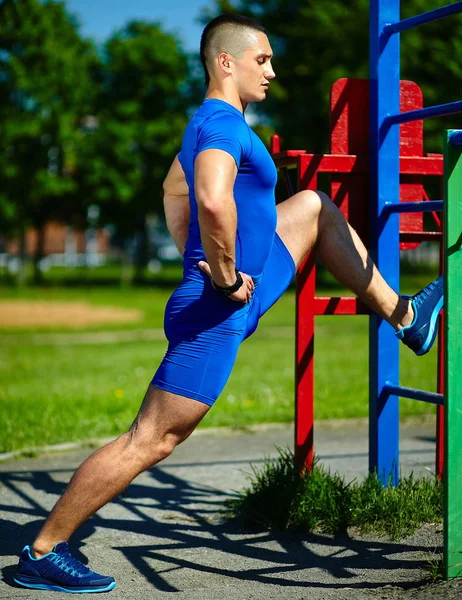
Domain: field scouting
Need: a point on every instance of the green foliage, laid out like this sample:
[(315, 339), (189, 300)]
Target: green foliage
[(280, 497), (45, 88), (315, 43), (140, 118), (78, 129)]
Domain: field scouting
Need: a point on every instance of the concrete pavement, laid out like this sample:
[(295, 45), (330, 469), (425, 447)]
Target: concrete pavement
[(165, 533)]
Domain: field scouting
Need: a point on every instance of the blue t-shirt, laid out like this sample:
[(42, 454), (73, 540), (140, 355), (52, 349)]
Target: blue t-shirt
[(218, 125)]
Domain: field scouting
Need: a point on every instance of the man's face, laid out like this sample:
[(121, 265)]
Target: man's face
[(253, 70)]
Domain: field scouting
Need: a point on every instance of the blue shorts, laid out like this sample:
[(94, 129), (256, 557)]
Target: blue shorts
[(205, 329)]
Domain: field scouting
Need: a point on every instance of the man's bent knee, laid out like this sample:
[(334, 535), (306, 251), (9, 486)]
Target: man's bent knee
[(312, 202), (148, 447)]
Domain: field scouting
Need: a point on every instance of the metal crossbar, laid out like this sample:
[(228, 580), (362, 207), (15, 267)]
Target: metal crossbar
[(413, 394), (409, 207), (427, 17), (455, 139), (441, 110)]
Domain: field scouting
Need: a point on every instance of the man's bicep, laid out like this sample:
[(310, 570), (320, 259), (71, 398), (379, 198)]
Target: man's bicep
[(214, 174)]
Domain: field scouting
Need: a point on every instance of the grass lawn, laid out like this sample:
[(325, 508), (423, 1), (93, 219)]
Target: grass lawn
[(52, 392)]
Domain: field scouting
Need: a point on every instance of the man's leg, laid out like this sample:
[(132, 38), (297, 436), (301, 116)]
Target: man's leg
[(164, 421), (311, 220)]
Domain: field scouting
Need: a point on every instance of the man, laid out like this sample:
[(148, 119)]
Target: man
[(240, 253)]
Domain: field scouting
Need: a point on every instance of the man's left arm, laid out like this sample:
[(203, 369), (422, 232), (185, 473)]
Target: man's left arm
[(176, 205)]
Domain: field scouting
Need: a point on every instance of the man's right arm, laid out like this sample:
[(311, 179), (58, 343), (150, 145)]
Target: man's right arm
[(214, 176)]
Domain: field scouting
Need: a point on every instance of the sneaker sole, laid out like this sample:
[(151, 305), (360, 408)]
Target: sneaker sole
[(57, 588), (432, 329)]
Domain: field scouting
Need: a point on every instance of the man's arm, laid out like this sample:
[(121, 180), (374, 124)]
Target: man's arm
[(214, 176), (176, 205)]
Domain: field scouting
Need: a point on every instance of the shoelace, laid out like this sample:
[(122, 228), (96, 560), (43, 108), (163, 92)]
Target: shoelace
[(423, 295), (70, 564)]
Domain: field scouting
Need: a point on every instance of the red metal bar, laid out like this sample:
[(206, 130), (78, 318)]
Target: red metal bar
[(304, 349), (340, 306), (349, 163), (275, 144), (304, 375)]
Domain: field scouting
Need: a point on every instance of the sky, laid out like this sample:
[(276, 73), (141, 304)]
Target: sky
[(99, 19)]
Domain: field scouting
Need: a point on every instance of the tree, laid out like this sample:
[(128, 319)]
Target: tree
[(46, 87), (140, 122), (315, 43)]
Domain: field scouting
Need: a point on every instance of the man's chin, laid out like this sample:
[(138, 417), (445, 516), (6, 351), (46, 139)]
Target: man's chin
[(261, 96)]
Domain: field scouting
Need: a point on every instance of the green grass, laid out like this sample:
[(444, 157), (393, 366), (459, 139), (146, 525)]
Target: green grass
[(55, 393), (434, 568), (280, 498)]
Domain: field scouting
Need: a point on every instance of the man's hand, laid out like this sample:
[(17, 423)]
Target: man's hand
[(243, 294)]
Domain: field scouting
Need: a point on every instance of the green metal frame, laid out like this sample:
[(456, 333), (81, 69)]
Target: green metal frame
[(453, 348)]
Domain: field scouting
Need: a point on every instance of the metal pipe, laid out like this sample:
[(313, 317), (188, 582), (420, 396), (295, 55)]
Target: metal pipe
[(426, 17), (413, 394), (441, 110), (409, 207)]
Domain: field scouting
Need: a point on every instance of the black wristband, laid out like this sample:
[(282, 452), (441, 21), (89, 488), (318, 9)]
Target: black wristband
[(230, 289)]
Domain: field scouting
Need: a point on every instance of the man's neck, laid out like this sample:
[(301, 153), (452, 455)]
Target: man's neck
[(231, 98)]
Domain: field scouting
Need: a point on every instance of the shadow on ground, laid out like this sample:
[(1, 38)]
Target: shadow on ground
[(165, 526)]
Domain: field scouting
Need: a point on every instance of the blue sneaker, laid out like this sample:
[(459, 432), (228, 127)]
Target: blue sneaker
[(427, 303), (59, 571)]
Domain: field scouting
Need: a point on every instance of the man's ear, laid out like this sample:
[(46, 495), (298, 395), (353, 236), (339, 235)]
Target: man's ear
[(224, 62)]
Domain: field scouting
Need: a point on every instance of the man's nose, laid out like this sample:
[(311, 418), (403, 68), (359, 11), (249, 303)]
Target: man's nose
[(269, 72)]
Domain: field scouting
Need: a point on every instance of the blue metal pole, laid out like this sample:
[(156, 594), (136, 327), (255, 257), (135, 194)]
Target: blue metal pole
[(384, 185), (427, 17)]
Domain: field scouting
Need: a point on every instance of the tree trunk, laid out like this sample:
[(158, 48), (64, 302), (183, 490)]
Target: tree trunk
[(39, 251), (22, 257), (141, 248), (126, 271)]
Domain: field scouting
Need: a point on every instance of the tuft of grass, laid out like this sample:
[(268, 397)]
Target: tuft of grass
[(433, 569), (280, 497), (267, 502), (396, 511)]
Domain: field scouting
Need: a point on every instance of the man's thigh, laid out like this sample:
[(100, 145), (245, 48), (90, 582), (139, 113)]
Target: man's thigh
[(277, 275), (298, 222), (204, 330)]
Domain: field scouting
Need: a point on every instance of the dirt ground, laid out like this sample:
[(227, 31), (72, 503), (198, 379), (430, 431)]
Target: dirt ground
[(43, 315)]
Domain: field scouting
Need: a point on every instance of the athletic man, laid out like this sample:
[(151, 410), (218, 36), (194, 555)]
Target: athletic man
[(240, 254)]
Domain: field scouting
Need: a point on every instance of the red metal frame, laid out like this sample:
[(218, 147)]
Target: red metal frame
[(348, 165)]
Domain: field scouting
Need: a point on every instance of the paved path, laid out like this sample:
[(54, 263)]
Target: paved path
[(165, 534)]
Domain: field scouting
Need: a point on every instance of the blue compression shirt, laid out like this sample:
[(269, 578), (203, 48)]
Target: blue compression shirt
[(218, 125)]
